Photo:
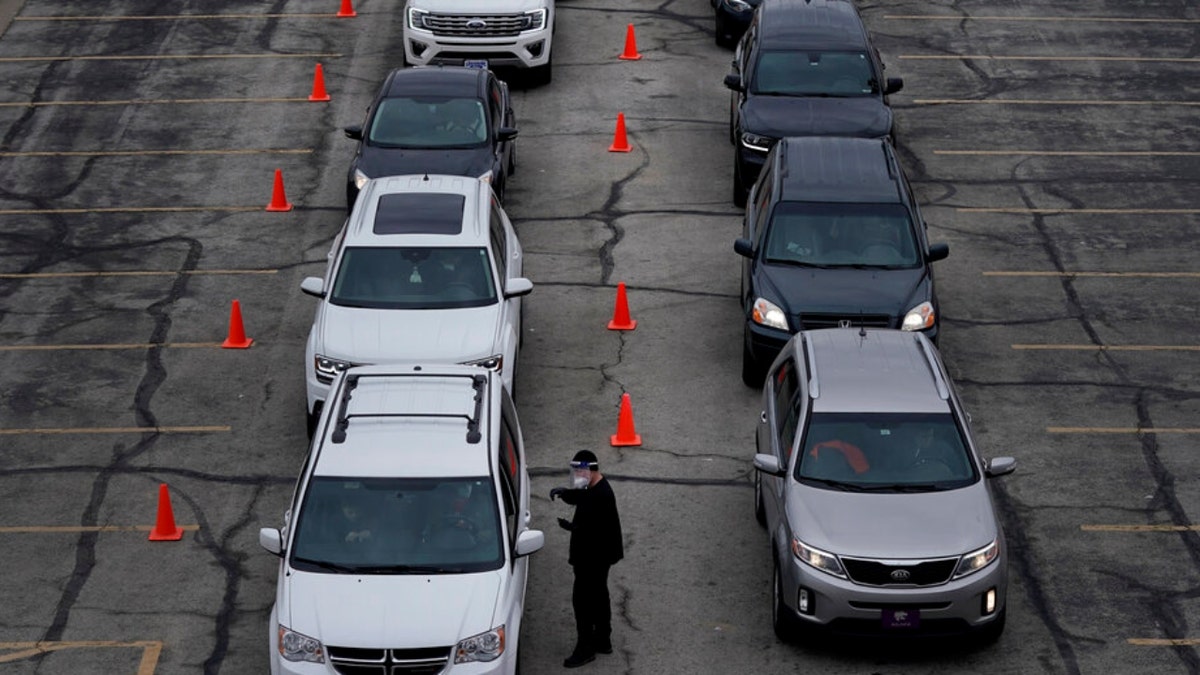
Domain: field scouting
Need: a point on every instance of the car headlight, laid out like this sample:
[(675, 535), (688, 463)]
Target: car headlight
[(738, 5), (826, 562), (767, 313), (977, 560), (483, 647), (416, 18), (327, 368), (360, 178), (295, 646), (495, 362), (535, 19), (487, 177), (919, 317), (757, 142)]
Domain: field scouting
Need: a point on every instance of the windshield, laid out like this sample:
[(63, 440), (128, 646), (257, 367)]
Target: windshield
[(841, 234), (885, 452), (803, 73), (429, 122), (406, 277), (398, 526)]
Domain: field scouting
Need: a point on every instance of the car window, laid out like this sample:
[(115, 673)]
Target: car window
[(496, 104), (404, 277), (428, 122), (786, 405), (499, 240), (895, 452), (812, 73), (841, 234), (510, 479), (398, 525)]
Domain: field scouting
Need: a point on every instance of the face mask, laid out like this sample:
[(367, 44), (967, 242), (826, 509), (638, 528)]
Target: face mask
[(581, 475)]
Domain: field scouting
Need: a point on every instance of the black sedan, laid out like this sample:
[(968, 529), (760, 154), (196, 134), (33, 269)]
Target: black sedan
[(436, 119)]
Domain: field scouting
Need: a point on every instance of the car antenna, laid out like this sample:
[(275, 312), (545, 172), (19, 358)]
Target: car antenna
[(862, 326), (426, 178)]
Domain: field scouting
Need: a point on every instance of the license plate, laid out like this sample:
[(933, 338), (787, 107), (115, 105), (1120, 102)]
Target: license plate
[(901, 619), (476, 63)]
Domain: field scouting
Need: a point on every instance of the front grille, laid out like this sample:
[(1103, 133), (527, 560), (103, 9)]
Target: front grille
[(358, 661), (465, 25), (919, 572), (811, 321)]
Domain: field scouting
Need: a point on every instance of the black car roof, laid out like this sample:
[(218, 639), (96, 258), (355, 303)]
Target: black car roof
[(437, 81), (837, 169), (816, 24)]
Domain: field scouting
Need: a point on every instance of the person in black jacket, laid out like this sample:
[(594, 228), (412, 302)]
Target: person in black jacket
[(596, 545)]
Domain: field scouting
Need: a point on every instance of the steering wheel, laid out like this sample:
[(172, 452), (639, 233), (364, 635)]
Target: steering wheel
[(937, 464)]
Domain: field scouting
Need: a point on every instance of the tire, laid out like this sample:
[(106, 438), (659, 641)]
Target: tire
[(739, 187), (542, 75), (752, 372), (312, 419), (512, 160), (760, 512), (990, 634), (719, 30), (782, 620)]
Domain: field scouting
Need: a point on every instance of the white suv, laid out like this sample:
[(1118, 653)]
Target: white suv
[(480, 34), (404, 547), (427, 268)]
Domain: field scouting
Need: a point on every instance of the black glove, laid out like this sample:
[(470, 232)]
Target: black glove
[(565, 524), (556, 492)]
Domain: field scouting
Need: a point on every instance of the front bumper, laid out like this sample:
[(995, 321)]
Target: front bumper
[(528, 50)]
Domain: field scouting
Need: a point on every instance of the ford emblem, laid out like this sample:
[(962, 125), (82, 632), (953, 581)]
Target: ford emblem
[(476, 23), (901, 575)]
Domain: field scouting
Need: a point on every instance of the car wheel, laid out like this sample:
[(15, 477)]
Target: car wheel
[(781, 617), (720, 30), (512, 160), (990, 633), (760, 512), (313, 417), (542, 75), (752, 373), (739, 187)]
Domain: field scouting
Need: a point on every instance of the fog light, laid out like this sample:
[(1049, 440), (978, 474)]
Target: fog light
[(535, 48), (418, 48), (989, 602), (804, 601)]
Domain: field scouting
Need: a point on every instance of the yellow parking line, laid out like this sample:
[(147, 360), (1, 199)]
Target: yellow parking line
[(115, 430), (1072, 153), (130, 273), (1164, 642), (1042, 101), (75, 529), (131, 209), (153, 153), (989, 57), (1006, 209), (1098, 19), (172, 17), (148, 345), (164, 57), (1111, 348), (149, 101), (151, 650), (1105, 275), (1121, 430), (1139, 528)]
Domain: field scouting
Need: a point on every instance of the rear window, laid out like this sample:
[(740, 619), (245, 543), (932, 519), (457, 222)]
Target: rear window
[(412, 277), (419, 213)]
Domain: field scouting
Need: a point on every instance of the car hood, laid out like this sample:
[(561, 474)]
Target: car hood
[(390, 610), (376, 162), (909, 525), (842, 291), (479, 6), (780, 116), (388, 335)]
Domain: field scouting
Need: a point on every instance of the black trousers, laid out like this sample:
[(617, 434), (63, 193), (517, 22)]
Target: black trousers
[(593, 611)]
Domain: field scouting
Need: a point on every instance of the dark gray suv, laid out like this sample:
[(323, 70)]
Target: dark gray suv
[(873, 493)]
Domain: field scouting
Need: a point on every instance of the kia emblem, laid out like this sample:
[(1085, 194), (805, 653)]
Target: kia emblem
[(901, 575)]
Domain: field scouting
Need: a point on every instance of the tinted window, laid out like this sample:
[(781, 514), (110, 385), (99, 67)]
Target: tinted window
[(401, 277), (429, 122), (786, 407), (398, 525), (499, 239), (886, 452), (419, 213), (801, 73), (841, 234)]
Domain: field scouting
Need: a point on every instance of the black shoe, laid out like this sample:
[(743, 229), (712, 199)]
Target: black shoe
[(577, 659), (604, 648)]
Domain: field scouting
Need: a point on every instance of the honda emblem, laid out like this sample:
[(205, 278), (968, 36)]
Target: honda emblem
[(843, 323)]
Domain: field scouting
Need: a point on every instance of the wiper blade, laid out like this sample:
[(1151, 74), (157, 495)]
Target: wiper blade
[(326, 565), (402, 569), (846, 487), (901, 487), (796, 263)]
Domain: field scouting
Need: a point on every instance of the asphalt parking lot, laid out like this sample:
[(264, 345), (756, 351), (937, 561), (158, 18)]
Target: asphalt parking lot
[(1053, 146)]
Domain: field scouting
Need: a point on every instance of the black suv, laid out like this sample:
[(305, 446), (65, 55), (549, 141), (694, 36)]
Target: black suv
[(832, 237), (436, 119), (803, 68)]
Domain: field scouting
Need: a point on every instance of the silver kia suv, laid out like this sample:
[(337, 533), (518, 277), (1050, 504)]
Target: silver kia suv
[(873, 492)]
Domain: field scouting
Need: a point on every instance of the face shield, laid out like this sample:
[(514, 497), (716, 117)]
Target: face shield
[(581, 474)]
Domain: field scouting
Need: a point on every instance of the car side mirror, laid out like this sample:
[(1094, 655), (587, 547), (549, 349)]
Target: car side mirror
[(744, 248), (353, 132), (529, 541), (999, 466), (506, 134), (733, 81), (271, 539), (938, 252), (893, 85), (314, 286), (517, 287), (768, 464)]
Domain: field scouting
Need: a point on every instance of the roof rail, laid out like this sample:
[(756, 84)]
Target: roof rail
[(939, 382), (474, 435), (814, 387), (889, 154)]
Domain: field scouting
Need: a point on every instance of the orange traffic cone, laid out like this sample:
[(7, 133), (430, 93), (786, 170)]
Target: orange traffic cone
[(347, 9), (318, 90), (620, 143), (631, 52), (621, 320), (625, 435), (279, 200), (165, 528), (237, 333)]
